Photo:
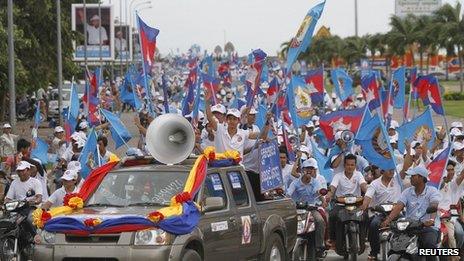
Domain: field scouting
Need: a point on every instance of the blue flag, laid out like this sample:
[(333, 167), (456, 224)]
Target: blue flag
[(90, 147), (74, 102), (398, 83), (164, 84), (299, 101), (37, 116), (119, 132), (415, 129), (40, 151), (303, 36), (343, 84), (261, 116), (374, 141), (321, 163)]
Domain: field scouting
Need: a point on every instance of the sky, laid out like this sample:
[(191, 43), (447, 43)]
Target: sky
[(252, 24)]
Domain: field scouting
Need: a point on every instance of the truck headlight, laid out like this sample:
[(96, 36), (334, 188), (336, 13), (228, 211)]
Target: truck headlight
[(154, 237), (402, 225), (48, 237)]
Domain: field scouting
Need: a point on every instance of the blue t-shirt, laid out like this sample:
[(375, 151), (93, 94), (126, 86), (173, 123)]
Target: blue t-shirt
[(301, 192)]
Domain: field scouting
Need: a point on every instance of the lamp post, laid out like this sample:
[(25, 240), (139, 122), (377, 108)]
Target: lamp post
[(11, 71), (356, 17), (136, 7), (59, 62)]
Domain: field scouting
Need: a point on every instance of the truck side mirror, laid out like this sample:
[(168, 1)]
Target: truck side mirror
[(213, 203)]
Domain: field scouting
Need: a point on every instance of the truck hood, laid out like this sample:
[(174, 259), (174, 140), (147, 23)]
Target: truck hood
[(113, 212)]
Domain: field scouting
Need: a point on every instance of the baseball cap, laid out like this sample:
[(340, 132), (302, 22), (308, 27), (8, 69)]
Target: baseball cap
[(310, 124), (334, 95), (253, 111), (458, 146), (234, 112), (393, 139), (95, 17), (315, 118), (419, 170), (58, 129), (456, 132), (69, 175), (218, 108), (456, 124), (83, 125), (6, 125), (80, 143), (74, 165), (304, 148), (311, 162), (22, 165), (394, 124)]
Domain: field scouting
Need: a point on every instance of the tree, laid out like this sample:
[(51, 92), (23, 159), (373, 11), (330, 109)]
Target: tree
[(355, 49), (374, 43), (229, 48), (452, 27), (403, 35), (218, 50)]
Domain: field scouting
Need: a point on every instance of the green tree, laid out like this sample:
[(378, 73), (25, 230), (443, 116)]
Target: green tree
[(403, 35), (355, 49)]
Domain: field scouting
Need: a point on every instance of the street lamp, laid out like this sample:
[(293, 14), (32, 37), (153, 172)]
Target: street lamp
[(136, 7)]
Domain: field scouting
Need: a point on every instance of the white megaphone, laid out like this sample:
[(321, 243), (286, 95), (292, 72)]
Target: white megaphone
[(170, 138)]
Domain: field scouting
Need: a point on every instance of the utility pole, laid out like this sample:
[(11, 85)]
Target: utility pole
[(59, 62), (356, 17), (11, 64)]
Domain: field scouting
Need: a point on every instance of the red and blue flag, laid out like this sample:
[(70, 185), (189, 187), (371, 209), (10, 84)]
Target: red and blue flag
[(437, 167), (370, 90), (315, 81), (147, 36), (428, 90), (341, 120)]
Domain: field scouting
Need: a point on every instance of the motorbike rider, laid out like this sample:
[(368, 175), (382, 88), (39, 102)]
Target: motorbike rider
[(349, 181), (417, 199), (385, 189), (306, 189)]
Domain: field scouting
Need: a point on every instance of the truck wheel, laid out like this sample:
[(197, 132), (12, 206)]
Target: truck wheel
[(191, 255), (274, 249)]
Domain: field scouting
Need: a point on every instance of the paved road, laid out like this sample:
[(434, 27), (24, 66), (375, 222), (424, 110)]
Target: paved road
[(331, 255)]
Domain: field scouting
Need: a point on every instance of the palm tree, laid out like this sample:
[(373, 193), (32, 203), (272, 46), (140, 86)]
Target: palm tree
[(284, 48), (355, 49), (374, 43), (403, 34), (229, 48), (423, 38), (452, 25)]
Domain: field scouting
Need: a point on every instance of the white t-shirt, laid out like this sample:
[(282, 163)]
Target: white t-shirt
[(59, 150), (120, 44), (287, 175), (321, 181), (68, 154), (43, 182), (57, 197), (19, 190), (345, 186), (450, 194), (379, 193), (223, 141), (94, 38)]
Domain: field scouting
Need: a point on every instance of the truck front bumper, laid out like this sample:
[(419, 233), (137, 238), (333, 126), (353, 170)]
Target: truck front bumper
[(109, 252)]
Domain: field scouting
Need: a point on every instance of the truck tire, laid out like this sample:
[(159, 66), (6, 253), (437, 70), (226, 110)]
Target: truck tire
[(191, 255), (274, 249)]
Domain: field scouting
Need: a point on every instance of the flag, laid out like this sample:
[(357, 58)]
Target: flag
[(253, 75), (211, 85), (261, 116), (387, 103), (288, 145), (322, 160), (370, 90), (40, 150), (119, 132), (37, 116), (224, 73), (428, 90), (196, 104), (438, 166), (303, 36), (147, 36), (343, 84), (374, 141), (299, 101), (398, 87), (189, 86), (315, 81), (90, 97), (74, 102), (341, 120), (164, 84), (415, 129), (69, 127), (412, 79), (90, 147), (273, 89)]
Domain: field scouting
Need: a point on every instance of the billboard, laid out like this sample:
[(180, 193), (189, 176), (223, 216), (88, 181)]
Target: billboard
[(99, 30), (122, 43), (416, 7)]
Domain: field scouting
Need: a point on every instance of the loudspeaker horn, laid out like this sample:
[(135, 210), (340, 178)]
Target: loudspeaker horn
[(170, 138), (347, 136)]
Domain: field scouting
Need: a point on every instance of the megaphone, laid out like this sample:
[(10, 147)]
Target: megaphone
[(347, 136), (170, 138)]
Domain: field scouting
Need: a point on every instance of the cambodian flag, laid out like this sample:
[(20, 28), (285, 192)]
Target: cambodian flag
[(437, 167), (273, 89), (211, 84), (224, 73), (412, 79), (370, 90), (147, 36), (253, 76), (315, 80), (343, 84), (90, 96), (387, 103), (189, 87), (429, 91), (341, 120), (398, 87)]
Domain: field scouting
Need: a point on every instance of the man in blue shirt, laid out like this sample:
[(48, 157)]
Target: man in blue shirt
[(417, 199), (306, 189)]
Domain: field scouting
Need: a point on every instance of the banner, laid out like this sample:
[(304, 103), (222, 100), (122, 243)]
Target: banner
[(270, 173)]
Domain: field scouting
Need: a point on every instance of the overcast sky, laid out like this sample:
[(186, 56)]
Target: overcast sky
[(252, 24)]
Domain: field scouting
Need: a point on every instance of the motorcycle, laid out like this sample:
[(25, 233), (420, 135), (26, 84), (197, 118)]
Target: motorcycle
[(404, 243), (15, 239), (450, 215), (384, 210), (350, 241), (305, 245)]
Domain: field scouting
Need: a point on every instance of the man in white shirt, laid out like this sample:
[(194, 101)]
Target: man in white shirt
[(384, 189), (69, 186), (59, 142), (120, 44), (7, 141), (104, 154), (348, 182), (76, 166), (315, 174), (25, 188), (96, 32), (289, 173)]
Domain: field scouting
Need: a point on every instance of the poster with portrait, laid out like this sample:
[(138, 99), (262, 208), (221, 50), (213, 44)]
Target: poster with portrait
[(122, 43), (98, 26)]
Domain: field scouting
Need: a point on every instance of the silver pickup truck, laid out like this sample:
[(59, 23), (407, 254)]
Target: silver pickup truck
[(234, 225)]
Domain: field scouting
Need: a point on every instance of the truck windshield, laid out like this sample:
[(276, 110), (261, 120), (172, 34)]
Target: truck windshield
[(122, 189)]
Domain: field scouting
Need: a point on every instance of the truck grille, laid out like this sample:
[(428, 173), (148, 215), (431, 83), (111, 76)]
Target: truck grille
[(88, 259), (92, 239)]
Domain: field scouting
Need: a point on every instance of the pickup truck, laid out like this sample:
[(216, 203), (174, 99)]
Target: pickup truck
[(237, 223)]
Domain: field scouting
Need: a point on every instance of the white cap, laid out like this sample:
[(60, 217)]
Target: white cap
[(80, 143), (458, 146), (83, 124), (78, 136), (456, 124), (6, 125), (58, 129), (456, 132), (22, 165), (311, 162), (315, 118), (414, 143), (304, 148), (234, 112), (160, 98), (334, 95), (393, 124), (201, 116), (69, 175), (394, 138), (95, 17), (74, 165), (253, 111), (310, 124), (218, 108)]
